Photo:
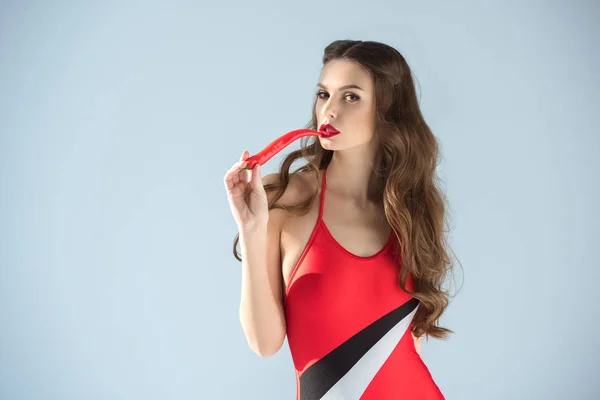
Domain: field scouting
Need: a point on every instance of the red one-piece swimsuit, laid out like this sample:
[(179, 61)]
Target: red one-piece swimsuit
[(348, 324)]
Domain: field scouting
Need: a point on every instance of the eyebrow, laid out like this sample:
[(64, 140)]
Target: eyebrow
[(343, 87)]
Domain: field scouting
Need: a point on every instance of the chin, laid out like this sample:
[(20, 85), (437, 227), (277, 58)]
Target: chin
[(326, 143)]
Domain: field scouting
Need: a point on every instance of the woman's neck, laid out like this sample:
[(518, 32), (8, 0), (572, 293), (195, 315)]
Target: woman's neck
[(349, 172)]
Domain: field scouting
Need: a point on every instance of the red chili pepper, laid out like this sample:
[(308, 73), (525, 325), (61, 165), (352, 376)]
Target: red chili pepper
[(277, 145)]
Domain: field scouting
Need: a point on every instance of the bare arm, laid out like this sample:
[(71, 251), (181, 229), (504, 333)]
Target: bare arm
[(418, 342), (261, 306)]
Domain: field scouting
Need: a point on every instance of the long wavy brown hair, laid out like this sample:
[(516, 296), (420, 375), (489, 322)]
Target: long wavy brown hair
[(403, 178)]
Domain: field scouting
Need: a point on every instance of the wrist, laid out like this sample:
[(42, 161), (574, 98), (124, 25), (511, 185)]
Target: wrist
[(253, 230)]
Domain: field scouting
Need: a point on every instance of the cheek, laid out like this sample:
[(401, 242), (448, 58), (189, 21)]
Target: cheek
[(365, 118)]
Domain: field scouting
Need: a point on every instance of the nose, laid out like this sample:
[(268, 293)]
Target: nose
[(329, 110)]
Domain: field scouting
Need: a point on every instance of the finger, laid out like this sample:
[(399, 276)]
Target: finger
[(237, 167), (243, 175), (247, 172), (231, 180), (256, 178), (232, 177)]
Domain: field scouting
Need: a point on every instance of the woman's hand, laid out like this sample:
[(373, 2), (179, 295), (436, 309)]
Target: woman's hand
[(246, 195)]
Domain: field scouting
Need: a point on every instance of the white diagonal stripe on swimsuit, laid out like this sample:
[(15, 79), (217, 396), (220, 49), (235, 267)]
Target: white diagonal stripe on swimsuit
[(352, 385)]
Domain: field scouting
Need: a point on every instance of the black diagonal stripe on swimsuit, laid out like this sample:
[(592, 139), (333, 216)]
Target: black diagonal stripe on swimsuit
[(322, 375)]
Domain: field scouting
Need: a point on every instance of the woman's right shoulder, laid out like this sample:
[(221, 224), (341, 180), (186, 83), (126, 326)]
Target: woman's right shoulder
[(301, 185)]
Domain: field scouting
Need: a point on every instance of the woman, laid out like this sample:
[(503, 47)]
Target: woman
[(346, 255)]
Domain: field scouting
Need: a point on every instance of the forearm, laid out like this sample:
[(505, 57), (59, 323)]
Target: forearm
[(261, 316)]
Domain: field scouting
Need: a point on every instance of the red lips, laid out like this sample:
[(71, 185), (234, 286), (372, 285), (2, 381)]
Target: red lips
[(328, 130)]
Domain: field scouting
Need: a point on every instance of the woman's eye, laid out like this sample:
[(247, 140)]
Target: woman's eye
[(353, 96)]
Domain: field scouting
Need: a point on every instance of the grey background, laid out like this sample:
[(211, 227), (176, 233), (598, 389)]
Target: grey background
[(118, 123)]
